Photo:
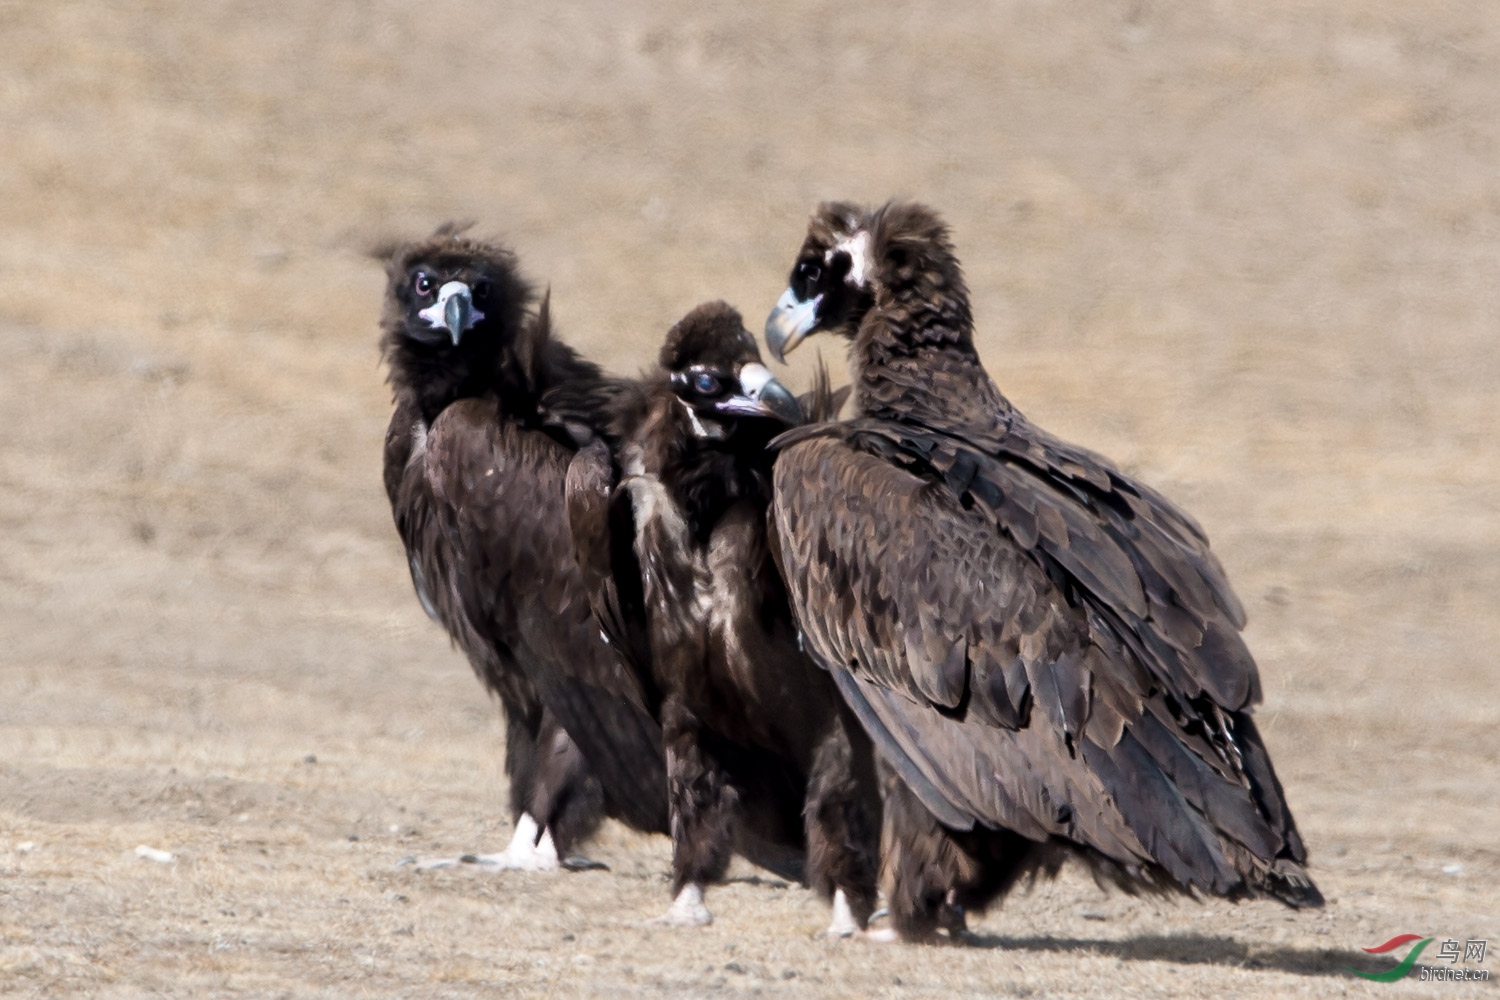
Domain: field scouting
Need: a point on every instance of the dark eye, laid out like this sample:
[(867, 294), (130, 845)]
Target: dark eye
[(481, 289), (705, 384), (421, 283), (809, 272)]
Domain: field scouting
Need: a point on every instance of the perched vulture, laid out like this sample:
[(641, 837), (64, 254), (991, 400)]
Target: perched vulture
[(476, 486), (1043, 649), (671, 533)]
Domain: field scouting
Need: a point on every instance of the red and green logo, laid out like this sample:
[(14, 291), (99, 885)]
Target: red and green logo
[(1473, 951), (1391, 975)]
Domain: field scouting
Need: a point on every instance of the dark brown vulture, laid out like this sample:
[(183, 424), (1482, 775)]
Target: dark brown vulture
[(1042, 648), (671, 532), (477, 490)]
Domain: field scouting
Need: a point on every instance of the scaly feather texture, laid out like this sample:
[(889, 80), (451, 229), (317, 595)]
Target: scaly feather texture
[(1038, 644)]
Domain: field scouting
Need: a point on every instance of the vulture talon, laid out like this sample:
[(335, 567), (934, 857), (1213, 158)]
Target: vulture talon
[(687, 910)]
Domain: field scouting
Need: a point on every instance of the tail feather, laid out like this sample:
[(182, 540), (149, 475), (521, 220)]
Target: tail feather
[(1289, 882)]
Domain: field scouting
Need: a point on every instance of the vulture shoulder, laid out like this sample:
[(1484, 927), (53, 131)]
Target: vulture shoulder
[(602, 521)]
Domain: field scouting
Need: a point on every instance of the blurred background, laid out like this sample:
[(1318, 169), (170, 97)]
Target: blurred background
[(1249, 251)]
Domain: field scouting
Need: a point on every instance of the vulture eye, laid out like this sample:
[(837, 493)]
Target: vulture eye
[(421, 283), (481, 289), (810, 272), (705, 384)]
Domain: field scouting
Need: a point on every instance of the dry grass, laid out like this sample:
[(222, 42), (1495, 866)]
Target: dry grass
[(1250, 252)]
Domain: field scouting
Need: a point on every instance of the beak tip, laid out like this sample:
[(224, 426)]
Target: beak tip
[(773, 342), (782, 404), (789, 324)]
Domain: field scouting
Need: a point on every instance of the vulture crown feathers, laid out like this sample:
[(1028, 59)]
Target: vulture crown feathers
[(461, 320)]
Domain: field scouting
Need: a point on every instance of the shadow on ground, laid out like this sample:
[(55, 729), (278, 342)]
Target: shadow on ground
[(1197, 949)]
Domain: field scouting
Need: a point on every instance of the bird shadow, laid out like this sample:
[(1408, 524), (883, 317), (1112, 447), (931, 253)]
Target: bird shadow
[(1196, 949)]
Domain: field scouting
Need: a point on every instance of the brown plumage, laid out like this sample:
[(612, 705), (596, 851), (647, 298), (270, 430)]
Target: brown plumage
[(671, 531), (476, 486), (1043, 649)]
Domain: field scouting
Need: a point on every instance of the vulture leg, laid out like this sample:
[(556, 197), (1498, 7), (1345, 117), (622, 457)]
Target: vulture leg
[(703, 805), (840, 812), (550, 779), (526, 735), (525, 732), (918, 864), (564, 792), (933, 876)]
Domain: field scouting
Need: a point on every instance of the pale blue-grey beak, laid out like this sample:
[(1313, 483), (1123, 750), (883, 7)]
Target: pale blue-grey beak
[(790, 323), (761, 395), (454, 310)]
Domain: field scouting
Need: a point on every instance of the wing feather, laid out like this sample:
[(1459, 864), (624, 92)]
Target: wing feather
[(601, 518), (1033, 641), (499, 491)]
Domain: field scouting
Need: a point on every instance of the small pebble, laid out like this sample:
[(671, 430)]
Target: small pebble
[(1453, 869), (26, 847), (154, 854)]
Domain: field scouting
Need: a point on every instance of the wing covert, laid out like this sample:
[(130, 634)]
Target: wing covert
[(500, 490), (1003, 689)]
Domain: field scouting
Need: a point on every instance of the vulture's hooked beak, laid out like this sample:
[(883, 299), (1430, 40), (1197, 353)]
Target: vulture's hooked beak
[(790, 323), (762, 396), (454, 310)]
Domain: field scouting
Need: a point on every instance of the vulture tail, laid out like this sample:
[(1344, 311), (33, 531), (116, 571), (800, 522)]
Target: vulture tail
[(1289, 882)]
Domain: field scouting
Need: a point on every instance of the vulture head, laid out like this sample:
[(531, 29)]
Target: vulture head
[(453, 304), (714, 370), (856, 258)]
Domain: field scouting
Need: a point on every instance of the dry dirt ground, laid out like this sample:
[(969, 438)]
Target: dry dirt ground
[(1250, 250)]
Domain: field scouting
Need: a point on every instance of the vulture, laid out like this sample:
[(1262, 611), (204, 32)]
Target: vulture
[(1044, 650), (476, 485), (671, 532)]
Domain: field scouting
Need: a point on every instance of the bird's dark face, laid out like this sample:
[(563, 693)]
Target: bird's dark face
[(830, 286), (444, 298), (453, 295), (715, 372)]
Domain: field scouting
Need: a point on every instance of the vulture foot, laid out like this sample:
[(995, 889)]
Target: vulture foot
[(524, 854), (843, 924), (687, 910)]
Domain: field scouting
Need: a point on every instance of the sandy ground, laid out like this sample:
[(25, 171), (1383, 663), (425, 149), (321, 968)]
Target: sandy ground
[(1250, 250)]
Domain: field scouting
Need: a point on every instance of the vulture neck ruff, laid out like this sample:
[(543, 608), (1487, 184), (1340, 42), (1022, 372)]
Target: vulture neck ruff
[(913, 355), (496, 359), (703, 476), (498, 352)]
